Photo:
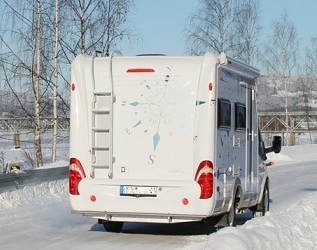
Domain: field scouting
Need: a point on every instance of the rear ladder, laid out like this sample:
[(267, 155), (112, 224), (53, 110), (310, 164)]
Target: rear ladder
[(102, 125)]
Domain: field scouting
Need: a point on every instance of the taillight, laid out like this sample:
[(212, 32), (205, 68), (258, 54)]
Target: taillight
[(204, 177), (140, 70), (76, 174)]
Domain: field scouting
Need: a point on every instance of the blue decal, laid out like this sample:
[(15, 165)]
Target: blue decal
[(156, 140), (134, 103), (199, 103), (138, 123)]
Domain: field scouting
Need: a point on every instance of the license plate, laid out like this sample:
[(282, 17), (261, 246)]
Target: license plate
[(138, 191)]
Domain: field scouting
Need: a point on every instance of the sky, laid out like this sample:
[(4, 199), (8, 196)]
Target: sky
[(160, 24)]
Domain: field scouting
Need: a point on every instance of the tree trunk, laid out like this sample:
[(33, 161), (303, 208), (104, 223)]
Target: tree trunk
[(37, 114), (55, 80), (82, 27)]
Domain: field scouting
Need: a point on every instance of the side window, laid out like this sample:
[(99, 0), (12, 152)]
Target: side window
[(240, 116), (224, 114)]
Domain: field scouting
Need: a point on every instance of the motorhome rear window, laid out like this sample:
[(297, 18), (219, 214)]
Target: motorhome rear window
[(224, 114), (240, 116)]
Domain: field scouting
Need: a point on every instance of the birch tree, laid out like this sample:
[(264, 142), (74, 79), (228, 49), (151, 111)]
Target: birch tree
[(280, 57), (55, 92), (311, 58), (219, 26), (25, 56), (40, 43), (309, 82), (248, 27), (95, 25), (36, 86)]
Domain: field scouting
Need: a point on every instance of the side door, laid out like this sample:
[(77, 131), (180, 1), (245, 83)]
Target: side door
[(251, 139), (224, 149)]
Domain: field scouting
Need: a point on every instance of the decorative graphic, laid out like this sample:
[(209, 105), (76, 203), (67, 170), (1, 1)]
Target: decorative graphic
[(156, 107)]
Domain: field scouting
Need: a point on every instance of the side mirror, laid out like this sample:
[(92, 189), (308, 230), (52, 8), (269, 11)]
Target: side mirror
[(276, 145)]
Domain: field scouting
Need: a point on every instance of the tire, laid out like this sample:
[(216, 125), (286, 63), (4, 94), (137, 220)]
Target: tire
[(113, 226), (263, 207), (232, 214)]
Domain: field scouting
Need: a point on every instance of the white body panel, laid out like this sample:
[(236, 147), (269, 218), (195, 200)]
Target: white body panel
[(158, 124)]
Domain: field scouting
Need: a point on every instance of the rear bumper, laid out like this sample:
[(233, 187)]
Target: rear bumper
[(145, 217)]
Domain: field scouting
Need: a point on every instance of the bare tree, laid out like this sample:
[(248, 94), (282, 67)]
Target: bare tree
[(26, 29), (248, 26), (95, 25), (311, 58), (36, 87), (55, 93), (229, 26), (38, 45), (309, 82), (280, 57)]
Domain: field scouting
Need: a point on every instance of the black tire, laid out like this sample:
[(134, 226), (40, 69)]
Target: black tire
[(113, 226), (232, 214), (264, 206), (265, 200)]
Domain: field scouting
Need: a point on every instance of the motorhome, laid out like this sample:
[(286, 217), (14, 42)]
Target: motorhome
[(165, 139)]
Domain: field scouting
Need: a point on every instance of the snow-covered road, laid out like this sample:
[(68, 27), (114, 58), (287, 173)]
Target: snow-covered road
[(40, 218)]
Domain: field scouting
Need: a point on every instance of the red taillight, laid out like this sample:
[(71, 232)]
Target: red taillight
[(210, 86), (204, 177), (140, 70), (76, 174)]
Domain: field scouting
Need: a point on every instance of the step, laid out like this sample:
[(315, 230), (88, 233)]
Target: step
[(100, 166), (101, 111), (101, 130), (98, 148), (97, 93)]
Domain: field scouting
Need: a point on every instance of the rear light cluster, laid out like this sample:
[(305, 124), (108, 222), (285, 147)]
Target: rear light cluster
[(76, 174), (204, 177)]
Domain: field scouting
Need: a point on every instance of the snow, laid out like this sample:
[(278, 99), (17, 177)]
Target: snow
[(290, 224), (37, 194), (296, 153), (293, 228)]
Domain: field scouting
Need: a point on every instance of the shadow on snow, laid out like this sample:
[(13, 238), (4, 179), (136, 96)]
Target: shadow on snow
[(179, 229)]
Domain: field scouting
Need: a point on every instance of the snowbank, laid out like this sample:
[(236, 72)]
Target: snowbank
[(43, 193), (293, 228), (294, 153), (55, 164)]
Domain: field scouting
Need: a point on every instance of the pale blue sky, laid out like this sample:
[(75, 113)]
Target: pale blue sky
[(160, 23)]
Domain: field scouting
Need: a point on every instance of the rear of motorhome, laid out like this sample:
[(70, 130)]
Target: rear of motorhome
[(165, 139)]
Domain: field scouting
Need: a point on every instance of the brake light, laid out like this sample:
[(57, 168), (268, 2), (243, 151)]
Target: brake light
[(204, 177), (76, 174), (140, 70)]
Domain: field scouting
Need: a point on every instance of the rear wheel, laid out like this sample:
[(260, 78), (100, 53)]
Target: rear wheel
[(231, 215), (263, 207), (113, 226)]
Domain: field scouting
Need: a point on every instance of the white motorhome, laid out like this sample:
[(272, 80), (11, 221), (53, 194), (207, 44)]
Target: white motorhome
[(165, 139)]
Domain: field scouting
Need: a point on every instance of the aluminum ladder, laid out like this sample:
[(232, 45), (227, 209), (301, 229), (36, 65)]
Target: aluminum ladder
[(102, 124)]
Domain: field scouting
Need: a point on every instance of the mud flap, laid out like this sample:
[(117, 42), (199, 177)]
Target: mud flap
[(219, 221)]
